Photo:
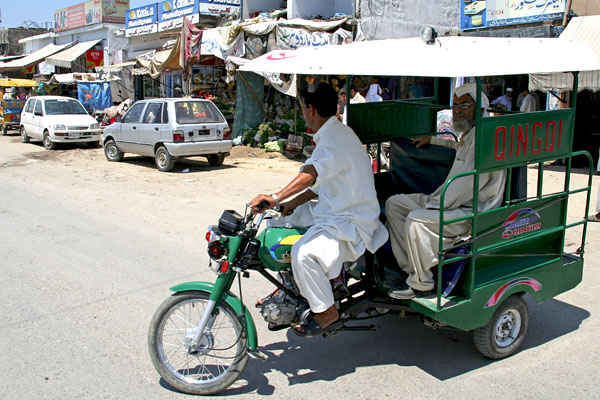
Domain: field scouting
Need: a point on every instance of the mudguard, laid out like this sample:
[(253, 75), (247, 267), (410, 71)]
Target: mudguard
[(232, 300)]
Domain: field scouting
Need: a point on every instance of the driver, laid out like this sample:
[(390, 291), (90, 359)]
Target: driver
[(344, 221)]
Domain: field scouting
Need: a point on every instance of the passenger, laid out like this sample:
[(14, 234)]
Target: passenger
[(413, 219), (504, 102), (344, 222)]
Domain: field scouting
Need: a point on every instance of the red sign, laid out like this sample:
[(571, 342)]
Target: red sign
[(94, 58)]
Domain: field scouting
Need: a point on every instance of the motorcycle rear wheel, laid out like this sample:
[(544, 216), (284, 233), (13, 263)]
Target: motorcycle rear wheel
[(219, 359)]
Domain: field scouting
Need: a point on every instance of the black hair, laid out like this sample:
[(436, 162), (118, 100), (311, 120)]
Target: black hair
[(323, 99), (353, 88)]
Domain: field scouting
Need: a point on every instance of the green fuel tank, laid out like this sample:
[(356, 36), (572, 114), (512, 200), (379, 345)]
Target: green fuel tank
[(276, 246)]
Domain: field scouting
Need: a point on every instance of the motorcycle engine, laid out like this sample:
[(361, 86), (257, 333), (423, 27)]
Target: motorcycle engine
[(281, 309)]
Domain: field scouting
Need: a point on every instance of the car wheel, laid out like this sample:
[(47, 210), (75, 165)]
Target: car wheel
[(505, 332), (24, 137), (48, 143), (215, 159), (111, 151), (164, 161)]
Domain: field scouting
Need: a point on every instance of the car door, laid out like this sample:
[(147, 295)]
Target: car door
[(129, 139), (150, 128), (27, 116), (36, 120)]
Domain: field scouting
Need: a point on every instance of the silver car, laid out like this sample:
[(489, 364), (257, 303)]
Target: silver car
[(168, 129)]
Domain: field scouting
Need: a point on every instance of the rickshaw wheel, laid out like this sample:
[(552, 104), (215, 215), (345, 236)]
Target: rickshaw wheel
[(505, 332), (4, 130)]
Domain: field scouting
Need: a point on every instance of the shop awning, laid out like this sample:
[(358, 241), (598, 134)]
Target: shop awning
[(76, 77), (154, 62), (33, 58), (581, 29), (66, 57)]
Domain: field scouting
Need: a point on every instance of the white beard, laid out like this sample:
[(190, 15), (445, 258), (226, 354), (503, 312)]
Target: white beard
[(463, 126)]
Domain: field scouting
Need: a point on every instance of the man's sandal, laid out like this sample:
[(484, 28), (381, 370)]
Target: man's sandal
[(593, 218), (311, 328)]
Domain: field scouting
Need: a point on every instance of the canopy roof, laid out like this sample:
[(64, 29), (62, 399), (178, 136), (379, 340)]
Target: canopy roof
[(33, 58), (66, 57), (8, 82), (582, 29), (455, 56)]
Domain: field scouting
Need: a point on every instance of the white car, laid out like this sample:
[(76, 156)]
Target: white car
[(169, 129), (57, 119)]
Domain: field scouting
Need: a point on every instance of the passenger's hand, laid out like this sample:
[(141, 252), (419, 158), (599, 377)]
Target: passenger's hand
[(256, 203), (421, 141)]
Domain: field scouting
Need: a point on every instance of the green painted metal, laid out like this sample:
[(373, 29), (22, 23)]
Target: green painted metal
[(384, 120), (233, 301), (511, 140), (276, 246)]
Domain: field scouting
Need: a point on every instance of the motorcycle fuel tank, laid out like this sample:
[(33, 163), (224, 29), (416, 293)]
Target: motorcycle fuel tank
[(276, 246)]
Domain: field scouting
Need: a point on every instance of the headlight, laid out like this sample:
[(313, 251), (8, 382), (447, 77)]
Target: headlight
[(95, 126), (59, 127)]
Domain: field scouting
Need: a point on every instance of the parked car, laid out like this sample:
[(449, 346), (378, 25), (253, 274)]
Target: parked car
[(58, 119), (168, 129)]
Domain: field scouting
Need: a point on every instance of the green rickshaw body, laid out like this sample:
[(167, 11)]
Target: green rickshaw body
[(276, 246), (520, 245)]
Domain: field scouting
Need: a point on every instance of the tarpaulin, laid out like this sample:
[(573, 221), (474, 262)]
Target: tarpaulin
[(192, 41), (94, 95), (249, 102)]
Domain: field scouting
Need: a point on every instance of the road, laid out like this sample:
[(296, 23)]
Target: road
[(89, 249)]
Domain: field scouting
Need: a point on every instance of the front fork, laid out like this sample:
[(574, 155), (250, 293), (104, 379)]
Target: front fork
[(222, 285)]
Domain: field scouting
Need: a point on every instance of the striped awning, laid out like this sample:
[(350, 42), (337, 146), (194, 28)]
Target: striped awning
[(583, 29)]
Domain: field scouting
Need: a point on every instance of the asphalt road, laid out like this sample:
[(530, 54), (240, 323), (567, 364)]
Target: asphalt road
[(88, 250)]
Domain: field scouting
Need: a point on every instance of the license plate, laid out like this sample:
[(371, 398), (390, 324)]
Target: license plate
[(74, 135), (204, 132)]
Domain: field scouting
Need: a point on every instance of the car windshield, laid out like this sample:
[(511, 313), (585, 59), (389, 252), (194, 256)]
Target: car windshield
[(197, 112), (63, 107)]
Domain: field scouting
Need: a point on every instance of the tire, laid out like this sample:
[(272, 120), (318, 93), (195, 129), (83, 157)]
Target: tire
[(4, 130), (164, 161), (93, 145), (210, 370), (215, 159), (505, 332), (24, 137), (48, 143), (112, 152)]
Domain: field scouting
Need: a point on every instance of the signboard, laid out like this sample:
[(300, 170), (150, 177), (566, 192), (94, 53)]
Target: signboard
[(494, 13), (90, 12), (141, 20), (94, 58), (171, 13), (219, 6)]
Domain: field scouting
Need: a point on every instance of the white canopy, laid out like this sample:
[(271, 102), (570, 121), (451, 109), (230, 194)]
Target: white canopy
[(447, 57), (66, 57), (33, 58)]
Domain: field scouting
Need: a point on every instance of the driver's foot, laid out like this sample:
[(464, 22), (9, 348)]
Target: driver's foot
[(324, 319)]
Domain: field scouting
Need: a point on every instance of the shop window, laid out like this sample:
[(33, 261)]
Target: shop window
[(151, 87)]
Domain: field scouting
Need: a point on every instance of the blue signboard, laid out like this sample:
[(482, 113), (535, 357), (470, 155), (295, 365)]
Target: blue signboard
[(219, 6), (171, 13), (493, 13), (141, 20)]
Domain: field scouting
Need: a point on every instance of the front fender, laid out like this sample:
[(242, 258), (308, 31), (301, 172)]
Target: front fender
[(233, 301)]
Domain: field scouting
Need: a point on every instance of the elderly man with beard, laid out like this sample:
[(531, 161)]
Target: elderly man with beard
[(413, 220)]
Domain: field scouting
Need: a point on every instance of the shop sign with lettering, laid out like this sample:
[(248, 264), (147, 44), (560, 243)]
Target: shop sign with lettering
[(141, 20), (493, 13), (171, 13)]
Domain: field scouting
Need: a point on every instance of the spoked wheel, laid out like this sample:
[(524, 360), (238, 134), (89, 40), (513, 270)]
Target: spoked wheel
[(211, 366), (505, 332)]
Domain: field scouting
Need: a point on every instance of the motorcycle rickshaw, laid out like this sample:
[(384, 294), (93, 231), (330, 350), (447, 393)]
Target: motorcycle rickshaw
[(10, 109), (201, 338)]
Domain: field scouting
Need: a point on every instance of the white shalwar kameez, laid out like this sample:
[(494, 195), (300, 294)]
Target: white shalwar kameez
[(344, 222), (413, 220)]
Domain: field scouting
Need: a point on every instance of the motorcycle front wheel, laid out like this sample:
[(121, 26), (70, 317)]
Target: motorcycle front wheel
[(215, 363)]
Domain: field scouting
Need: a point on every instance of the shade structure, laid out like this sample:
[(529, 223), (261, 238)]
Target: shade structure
[(446, 57), (67, 56), (33, 58)]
